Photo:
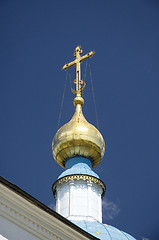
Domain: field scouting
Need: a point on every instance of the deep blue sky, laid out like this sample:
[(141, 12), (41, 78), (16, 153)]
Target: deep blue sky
[(36, 39)]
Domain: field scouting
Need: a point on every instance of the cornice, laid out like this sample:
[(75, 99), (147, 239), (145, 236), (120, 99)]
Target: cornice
[(79, 177), (26, 223)]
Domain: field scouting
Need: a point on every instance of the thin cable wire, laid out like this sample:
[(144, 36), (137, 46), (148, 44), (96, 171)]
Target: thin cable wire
[(62, 100), (84, 78), (70, 80), (94, 97)]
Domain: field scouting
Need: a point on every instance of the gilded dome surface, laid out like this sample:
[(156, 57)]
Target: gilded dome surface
[(78, 138)]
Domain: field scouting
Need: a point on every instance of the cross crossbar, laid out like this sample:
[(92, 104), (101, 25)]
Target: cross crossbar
[(77, 61)]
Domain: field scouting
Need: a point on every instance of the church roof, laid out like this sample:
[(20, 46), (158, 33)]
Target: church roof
[(103, 231)]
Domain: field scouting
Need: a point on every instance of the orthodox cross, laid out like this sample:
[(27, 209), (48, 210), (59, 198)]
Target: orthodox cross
[(79, 83)]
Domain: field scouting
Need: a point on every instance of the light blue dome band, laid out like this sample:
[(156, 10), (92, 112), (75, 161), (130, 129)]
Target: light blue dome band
[(78, 161), (78, 165)]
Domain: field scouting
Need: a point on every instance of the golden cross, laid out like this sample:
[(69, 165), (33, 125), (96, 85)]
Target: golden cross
[(77, 61)]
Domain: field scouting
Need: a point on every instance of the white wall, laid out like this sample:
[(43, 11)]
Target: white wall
[(79, 199)]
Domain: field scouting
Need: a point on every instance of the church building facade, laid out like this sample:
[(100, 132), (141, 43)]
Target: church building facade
[(78, 147)]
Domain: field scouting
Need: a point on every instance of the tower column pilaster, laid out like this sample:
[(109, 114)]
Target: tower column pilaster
[(71, 186), (89, 185)]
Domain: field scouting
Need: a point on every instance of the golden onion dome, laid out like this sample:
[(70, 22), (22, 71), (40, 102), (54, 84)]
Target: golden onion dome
[(78, 138)]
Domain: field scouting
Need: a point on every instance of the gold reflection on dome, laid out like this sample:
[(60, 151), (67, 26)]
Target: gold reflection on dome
[(78, 137)]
